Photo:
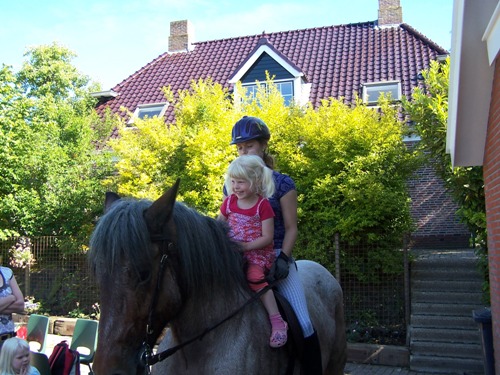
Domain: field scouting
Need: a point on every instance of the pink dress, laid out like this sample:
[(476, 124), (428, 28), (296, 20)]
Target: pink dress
[(246, 226)]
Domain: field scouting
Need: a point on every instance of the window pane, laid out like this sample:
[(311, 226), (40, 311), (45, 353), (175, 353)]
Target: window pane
[(286, 90), (150, 112), (373, 91), (251, 91)]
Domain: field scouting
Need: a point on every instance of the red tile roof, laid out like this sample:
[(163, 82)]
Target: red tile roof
[(335, 59)]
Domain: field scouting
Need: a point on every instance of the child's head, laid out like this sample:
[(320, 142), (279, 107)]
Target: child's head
[(15, 354), (251, 168)]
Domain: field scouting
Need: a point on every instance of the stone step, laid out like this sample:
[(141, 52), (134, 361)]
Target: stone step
[(445, 257), (445, 335), (437, 321), (446, 287), (473, 285), (446, 365), (456, 350), (444, 309), (468, 298), (445, 275)]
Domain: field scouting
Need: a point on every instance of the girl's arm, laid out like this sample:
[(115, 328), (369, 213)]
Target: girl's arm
[(288, 205), (264, 240)]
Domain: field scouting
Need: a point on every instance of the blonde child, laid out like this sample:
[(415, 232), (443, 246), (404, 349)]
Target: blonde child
[(15, 358), (251, 220)]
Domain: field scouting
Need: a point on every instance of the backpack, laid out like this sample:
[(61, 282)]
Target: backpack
[(64, 361)]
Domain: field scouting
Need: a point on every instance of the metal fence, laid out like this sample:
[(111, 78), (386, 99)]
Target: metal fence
[(376, 296), (375, 282), (58, 281)]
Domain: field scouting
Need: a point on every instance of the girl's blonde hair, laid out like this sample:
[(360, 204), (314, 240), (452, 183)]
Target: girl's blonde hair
[(252, 169), (9, 350)]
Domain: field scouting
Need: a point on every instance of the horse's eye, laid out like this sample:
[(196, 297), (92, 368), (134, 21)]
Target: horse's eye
[(136, 277)]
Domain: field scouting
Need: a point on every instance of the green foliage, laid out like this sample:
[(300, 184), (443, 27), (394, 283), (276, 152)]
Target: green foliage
[(429, 112), (50, 171), (353, 173), (152, 154), (349, 164), (78, 313)]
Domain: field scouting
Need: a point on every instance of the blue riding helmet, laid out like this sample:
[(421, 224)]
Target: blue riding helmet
[(249, 128)]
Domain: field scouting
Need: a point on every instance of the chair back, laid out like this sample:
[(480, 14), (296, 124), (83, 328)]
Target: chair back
[(84, 339), (38, 328), (41, 362)]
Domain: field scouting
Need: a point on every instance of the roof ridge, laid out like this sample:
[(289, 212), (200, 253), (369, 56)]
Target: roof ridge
[(266, 34)]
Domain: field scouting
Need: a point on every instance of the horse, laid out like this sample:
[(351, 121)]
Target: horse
[(164, 269)]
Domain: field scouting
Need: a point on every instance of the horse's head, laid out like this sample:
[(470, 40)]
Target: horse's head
[(133, 255)]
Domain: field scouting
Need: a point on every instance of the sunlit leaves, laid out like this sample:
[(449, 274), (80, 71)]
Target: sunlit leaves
[(51, 161), (350, 165)]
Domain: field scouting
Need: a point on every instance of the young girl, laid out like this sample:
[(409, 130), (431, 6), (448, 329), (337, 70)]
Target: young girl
[(251, 220), (15, 358)]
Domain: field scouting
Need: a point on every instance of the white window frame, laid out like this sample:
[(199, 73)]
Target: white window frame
[(385, 87), (162, 107)]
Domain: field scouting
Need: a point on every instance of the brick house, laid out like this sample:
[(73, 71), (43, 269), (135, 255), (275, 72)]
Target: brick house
[(342, 61), (473, 136)]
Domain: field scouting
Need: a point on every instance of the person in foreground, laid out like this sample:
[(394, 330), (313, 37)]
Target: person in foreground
[(251, 137), (251, 221), (15, 358), (11, 301)]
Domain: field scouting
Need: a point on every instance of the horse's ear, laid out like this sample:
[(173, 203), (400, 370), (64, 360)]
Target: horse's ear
[(109, 200), (161, 210)]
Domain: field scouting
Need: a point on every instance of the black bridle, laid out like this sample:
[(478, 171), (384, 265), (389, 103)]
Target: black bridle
[(147, 357)]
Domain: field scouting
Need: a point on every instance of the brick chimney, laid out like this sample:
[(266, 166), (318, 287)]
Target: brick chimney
[(389, 12), (181, 36)]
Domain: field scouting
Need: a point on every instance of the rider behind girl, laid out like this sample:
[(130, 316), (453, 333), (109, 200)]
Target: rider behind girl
[(251, 220)]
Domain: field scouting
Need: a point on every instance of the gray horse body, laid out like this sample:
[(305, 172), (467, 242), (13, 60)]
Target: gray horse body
[(241, 345)]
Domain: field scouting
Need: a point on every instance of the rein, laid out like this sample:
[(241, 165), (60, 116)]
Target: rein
[(147, 357)]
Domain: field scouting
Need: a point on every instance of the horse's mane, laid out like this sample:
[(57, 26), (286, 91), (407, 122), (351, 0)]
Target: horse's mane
[(209, 260)]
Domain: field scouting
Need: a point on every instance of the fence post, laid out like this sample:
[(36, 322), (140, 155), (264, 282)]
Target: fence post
[(27, 280), (337, 257), (406, 266)]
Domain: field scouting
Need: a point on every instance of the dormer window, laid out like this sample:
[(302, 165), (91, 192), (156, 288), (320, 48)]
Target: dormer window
[(266, 62), (284, 87), (149, 111), (373, 90)]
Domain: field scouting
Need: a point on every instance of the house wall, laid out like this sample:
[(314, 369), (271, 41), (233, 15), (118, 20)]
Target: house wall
[(492, 190), (433, 211)]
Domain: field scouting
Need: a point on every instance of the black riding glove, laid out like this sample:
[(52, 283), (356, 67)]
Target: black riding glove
[(280, 266)]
